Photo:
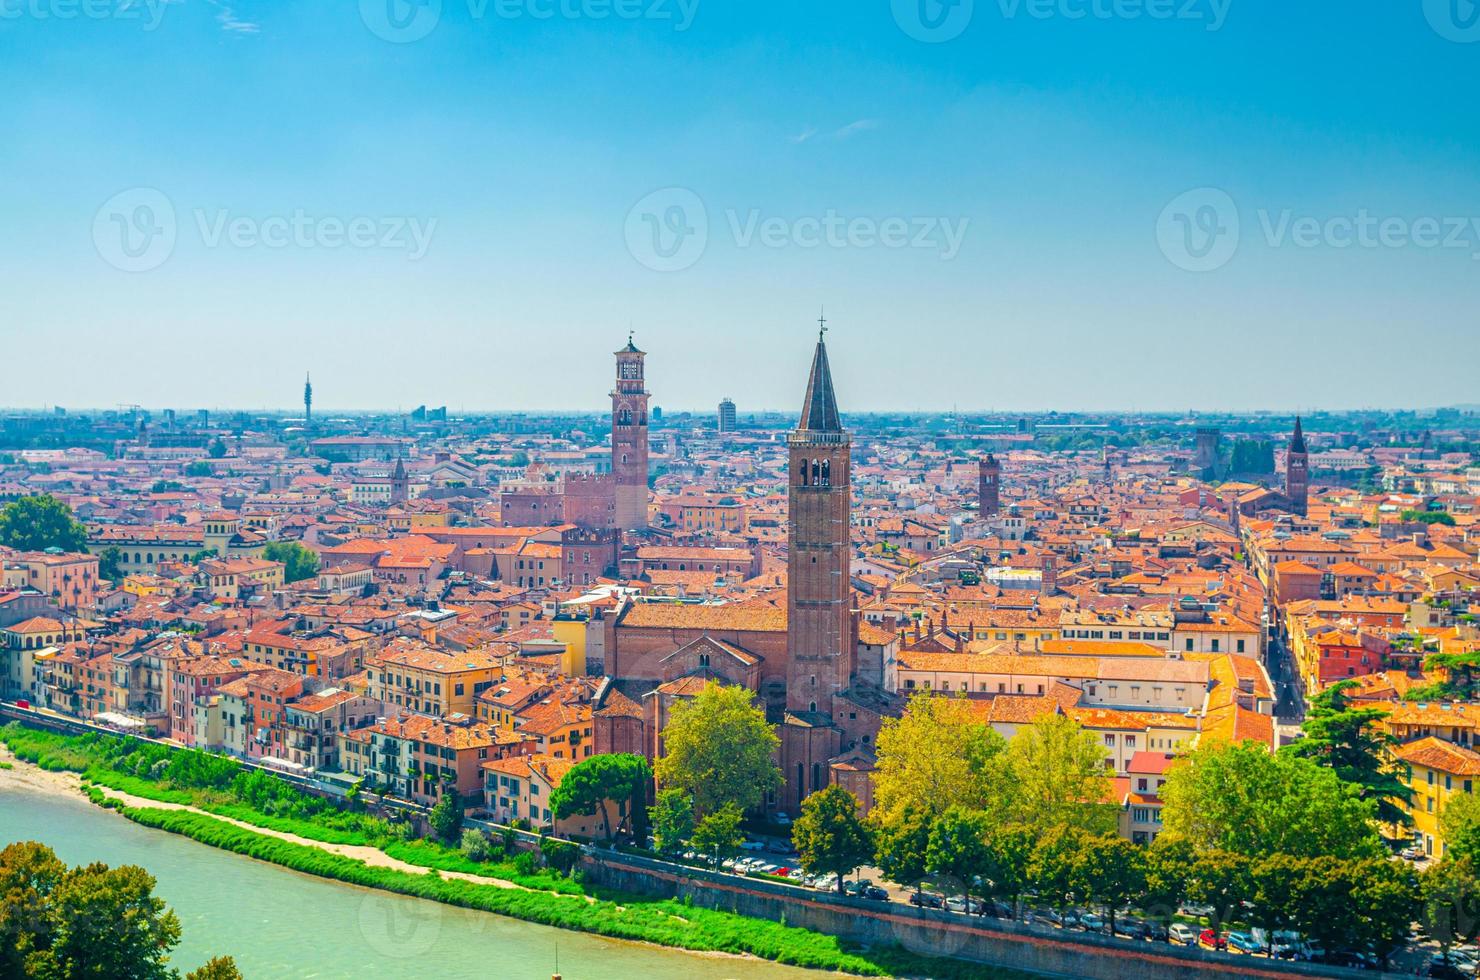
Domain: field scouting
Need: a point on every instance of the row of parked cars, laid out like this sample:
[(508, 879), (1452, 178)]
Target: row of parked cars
[(1461, 963)]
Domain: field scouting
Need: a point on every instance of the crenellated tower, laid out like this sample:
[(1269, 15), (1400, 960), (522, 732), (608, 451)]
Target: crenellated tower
[(989, 487), (630, 440)]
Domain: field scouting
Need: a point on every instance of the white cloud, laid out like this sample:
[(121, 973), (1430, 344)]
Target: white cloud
[(857, 126)]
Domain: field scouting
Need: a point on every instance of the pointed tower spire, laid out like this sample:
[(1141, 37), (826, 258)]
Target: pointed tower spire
[(1297, 438), (820, 407)]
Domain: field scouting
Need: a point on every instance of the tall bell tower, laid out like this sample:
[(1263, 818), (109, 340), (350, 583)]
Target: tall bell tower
[(820, 648), (630, 440), (1297, 471)]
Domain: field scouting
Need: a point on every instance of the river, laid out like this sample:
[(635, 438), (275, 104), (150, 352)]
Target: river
[(279, 923)]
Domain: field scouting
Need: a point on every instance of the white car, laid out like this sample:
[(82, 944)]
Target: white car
[(1181, 932)]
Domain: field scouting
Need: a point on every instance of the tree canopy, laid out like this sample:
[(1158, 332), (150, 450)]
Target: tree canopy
[(91, 922), (1056, 778), (299, 562), (1240, 798), (446, 816), (720, 750), (591, 785), (672, 816), (938, 754), (38, 522), (1350, 741), (718, 834), (829, 836)]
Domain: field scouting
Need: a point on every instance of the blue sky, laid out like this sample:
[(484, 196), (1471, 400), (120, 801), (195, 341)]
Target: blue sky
[(1028, 207)]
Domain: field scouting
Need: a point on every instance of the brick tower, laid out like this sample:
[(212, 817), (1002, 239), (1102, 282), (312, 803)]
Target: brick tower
[(1297, 471), (820, 647), (399, 483), (989, 487), (630, 440)]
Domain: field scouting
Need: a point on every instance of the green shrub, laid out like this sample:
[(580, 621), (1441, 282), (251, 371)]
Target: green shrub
[(474, 845)]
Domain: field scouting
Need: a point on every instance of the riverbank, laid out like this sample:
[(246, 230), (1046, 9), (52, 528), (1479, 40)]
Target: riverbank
[(281, 924), (661, 922)]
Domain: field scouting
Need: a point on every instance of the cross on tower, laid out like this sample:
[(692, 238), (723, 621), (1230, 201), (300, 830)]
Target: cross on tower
[(821, 323)]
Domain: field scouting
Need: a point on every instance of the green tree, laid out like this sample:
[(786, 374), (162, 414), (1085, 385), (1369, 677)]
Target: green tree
[(1459, 825), (938, 754), (829, 836), (1109, 871), (1241, 798), (1222, 880), (1450, 893), (562, 855), (109, 561), (720, 750), (718, 834), (1168, 869), (1010, 853), (1052, 868), (1057, 778), (1383, 899), (474, 845), (672, 815), (1461, 668), (198, 468), (217, 449), (1429, 517), (591, 784), (217, 968), (300, 563), (1350, 741), (91, 921), (958, 848), (901, 842), (38, 522), (446, 816)]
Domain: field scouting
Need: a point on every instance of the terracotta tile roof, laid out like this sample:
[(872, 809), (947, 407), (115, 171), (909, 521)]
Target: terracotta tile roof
[(730, 617), (1446, 757)]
